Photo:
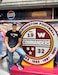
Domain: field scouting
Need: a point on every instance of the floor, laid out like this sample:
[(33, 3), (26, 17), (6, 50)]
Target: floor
[(4, 67), (4, 63)]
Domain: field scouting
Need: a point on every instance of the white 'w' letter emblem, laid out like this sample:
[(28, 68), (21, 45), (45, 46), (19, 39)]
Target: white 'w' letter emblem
[(41, 35)]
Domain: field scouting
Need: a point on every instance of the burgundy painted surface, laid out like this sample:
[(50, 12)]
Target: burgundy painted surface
[(32, 70)]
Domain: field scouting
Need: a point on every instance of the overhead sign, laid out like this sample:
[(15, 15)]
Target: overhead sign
[(10, 15), (39, 42)]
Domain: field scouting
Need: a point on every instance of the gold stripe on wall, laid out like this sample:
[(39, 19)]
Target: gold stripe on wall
[(39, 14)]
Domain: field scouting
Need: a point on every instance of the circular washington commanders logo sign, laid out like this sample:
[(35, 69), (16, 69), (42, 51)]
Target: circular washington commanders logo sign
[(39, 42)]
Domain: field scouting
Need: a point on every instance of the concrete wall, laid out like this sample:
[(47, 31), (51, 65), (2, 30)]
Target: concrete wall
[(30, 0), (20, 4)]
